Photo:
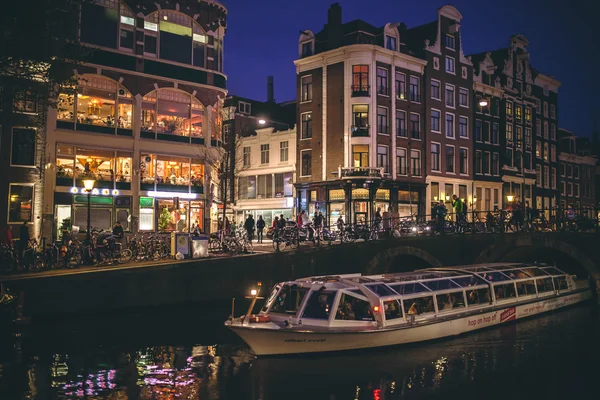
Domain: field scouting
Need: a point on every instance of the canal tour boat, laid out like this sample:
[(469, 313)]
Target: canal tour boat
[(347, 312)]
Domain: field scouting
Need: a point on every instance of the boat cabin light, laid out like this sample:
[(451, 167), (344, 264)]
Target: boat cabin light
[(253, 292)]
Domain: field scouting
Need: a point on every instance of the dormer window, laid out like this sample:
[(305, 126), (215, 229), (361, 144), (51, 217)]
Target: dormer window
[(307, 49), (450, 42), (391, 43), (244, 107)]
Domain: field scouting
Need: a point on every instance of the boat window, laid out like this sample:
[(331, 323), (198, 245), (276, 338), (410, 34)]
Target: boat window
[(409, 288), (505, 291), (560, 283), (495, 276), (526, 288), (534, 272), (440, 284), (381, 290), (289, 300), (353, 309), (478, 296), (420, 305), (392, 309), (544, 285), (270, 298), (357, 291), (319, 305), (467, 281), (553, 271), (516, 274), (450, 301)]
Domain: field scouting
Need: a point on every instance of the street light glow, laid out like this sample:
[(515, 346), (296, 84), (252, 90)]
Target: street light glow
[(262, 121), (483, 103)]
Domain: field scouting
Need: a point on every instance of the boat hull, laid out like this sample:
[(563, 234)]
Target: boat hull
[(294, 341)]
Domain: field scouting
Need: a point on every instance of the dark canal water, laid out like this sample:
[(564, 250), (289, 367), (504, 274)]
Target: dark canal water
[(185, 353)]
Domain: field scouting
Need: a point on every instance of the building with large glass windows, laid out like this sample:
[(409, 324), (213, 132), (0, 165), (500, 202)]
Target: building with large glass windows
[(145, 121)]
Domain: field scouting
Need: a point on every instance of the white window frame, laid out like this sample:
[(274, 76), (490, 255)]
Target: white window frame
[(440, 90), (497, 141), (453, 40), (489, 163), (546, 176), (552, 131), (267, 150), (439, 154), (439, 123), (538, 127), (244, 107), (398, 150), (410, 168), (466, 90), (459, 135), (553, 178), (453, 125), (552, 111), (387, 153), (302, 165), (453, 161), (489, 130), (495, 173), (545, 109), (284, 149), (302, 126), (480, 162), (552, 153), (387, 79), (249, 156), (448, 58), (308, 100), (387, 120), (448, 85), (546, 129), (467, 161)]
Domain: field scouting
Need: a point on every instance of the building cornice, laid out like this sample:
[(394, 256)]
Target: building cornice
[(552, 83), (576, 158), (487, 89), (355, 50)]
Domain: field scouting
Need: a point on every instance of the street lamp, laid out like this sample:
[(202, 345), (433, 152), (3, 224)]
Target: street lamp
[(510, 198), (262, 122), (483, 102), (88, 184)]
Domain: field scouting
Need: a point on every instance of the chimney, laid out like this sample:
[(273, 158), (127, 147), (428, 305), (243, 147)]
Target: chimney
[(334, 26), (270, 90)]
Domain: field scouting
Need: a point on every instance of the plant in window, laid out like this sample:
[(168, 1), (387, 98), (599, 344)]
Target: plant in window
[(164, 220)]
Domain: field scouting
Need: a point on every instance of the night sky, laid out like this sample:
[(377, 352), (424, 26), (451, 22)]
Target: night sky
[(564, 36)]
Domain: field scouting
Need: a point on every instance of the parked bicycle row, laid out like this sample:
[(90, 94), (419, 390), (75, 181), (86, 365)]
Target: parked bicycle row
[(104, 248)]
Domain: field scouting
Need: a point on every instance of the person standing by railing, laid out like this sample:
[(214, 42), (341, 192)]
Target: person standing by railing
[(459, 208), (378, 219), (260, 226), (249, 225), (439, 215)]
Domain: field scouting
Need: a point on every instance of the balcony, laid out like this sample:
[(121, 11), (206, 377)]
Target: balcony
[(360, 131), (360, 90), (360, 172)]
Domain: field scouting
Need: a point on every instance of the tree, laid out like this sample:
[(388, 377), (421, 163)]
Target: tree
[(225, 162), (164, 219), (39, 49)]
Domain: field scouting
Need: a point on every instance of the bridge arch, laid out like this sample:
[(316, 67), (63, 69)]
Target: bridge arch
[(383, 262), (514, 244)]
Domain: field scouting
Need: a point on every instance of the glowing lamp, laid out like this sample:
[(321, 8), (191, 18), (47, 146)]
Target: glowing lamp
[(74, 190), (483, 102), (376, 309), (88, 184), (447, 198), (253, 292), (510, 198), (262, 121), (105, 192)]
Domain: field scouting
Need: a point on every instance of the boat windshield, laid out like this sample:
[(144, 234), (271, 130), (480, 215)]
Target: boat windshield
[(553, 271), (270, 298), (440, 284), (319, 305), (353, 309), (409, 288), (289, 299), (381, 290)]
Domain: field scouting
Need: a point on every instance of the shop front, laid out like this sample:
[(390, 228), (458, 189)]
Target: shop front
[(171, 214), (71, 211)]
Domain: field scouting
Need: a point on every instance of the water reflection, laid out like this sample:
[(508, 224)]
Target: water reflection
[(520, 356)]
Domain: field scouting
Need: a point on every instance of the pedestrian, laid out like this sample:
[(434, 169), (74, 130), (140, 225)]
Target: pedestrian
[(7, 236), (227, 227), (459, 207), (260, 225), (299, 218), (220, 224), (118, 231), (378, 218), (340, 224), (441, 212), (23, 239), (249, 225)]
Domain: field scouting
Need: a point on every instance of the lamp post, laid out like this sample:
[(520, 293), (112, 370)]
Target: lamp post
[(88, 184), (473, 202)]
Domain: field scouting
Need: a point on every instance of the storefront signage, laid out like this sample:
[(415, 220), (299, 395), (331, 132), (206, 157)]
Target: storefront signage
[(170, 195), (360, 194), (147, 202), (382, 194), (97, 200), (337, 195), (96, 192)]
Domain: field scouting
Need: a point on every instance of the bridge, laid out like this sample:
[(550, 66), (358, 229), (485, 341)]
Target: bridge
[(220, 279)]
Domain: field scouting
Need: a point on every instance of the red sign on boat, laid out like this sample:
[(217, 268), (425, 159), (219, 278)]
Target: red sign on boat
[(508, 314)]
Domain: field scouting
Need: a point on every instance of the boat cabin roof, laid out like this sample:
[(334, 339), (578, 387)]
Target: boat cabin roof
[(431, 279)]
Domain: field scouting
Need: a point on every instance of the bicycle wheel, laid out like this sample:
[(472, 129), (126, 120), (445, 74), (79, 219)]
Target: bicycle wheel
[(125, 256), (248, 246)]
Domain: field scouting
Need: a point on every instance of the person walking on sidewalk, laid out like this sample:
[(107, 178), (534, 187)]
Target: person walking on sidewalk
[(260, 225), (249, 225)]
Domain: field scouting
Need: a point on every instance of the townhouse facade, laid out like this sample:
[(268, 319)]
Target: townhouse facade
[(576, 175), (145, 122), (360, 122), (448, 113)]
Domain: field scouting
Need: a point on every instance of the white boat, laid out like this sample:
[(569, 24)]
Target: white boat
[(347, 312)]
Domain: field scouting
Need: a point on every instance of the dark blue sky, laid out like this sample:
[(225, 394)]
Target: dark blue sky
[(564, 37)]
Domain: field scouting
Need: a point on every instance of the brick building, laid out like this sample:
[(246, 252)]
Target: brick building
[(576, 177), (360, 121)]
